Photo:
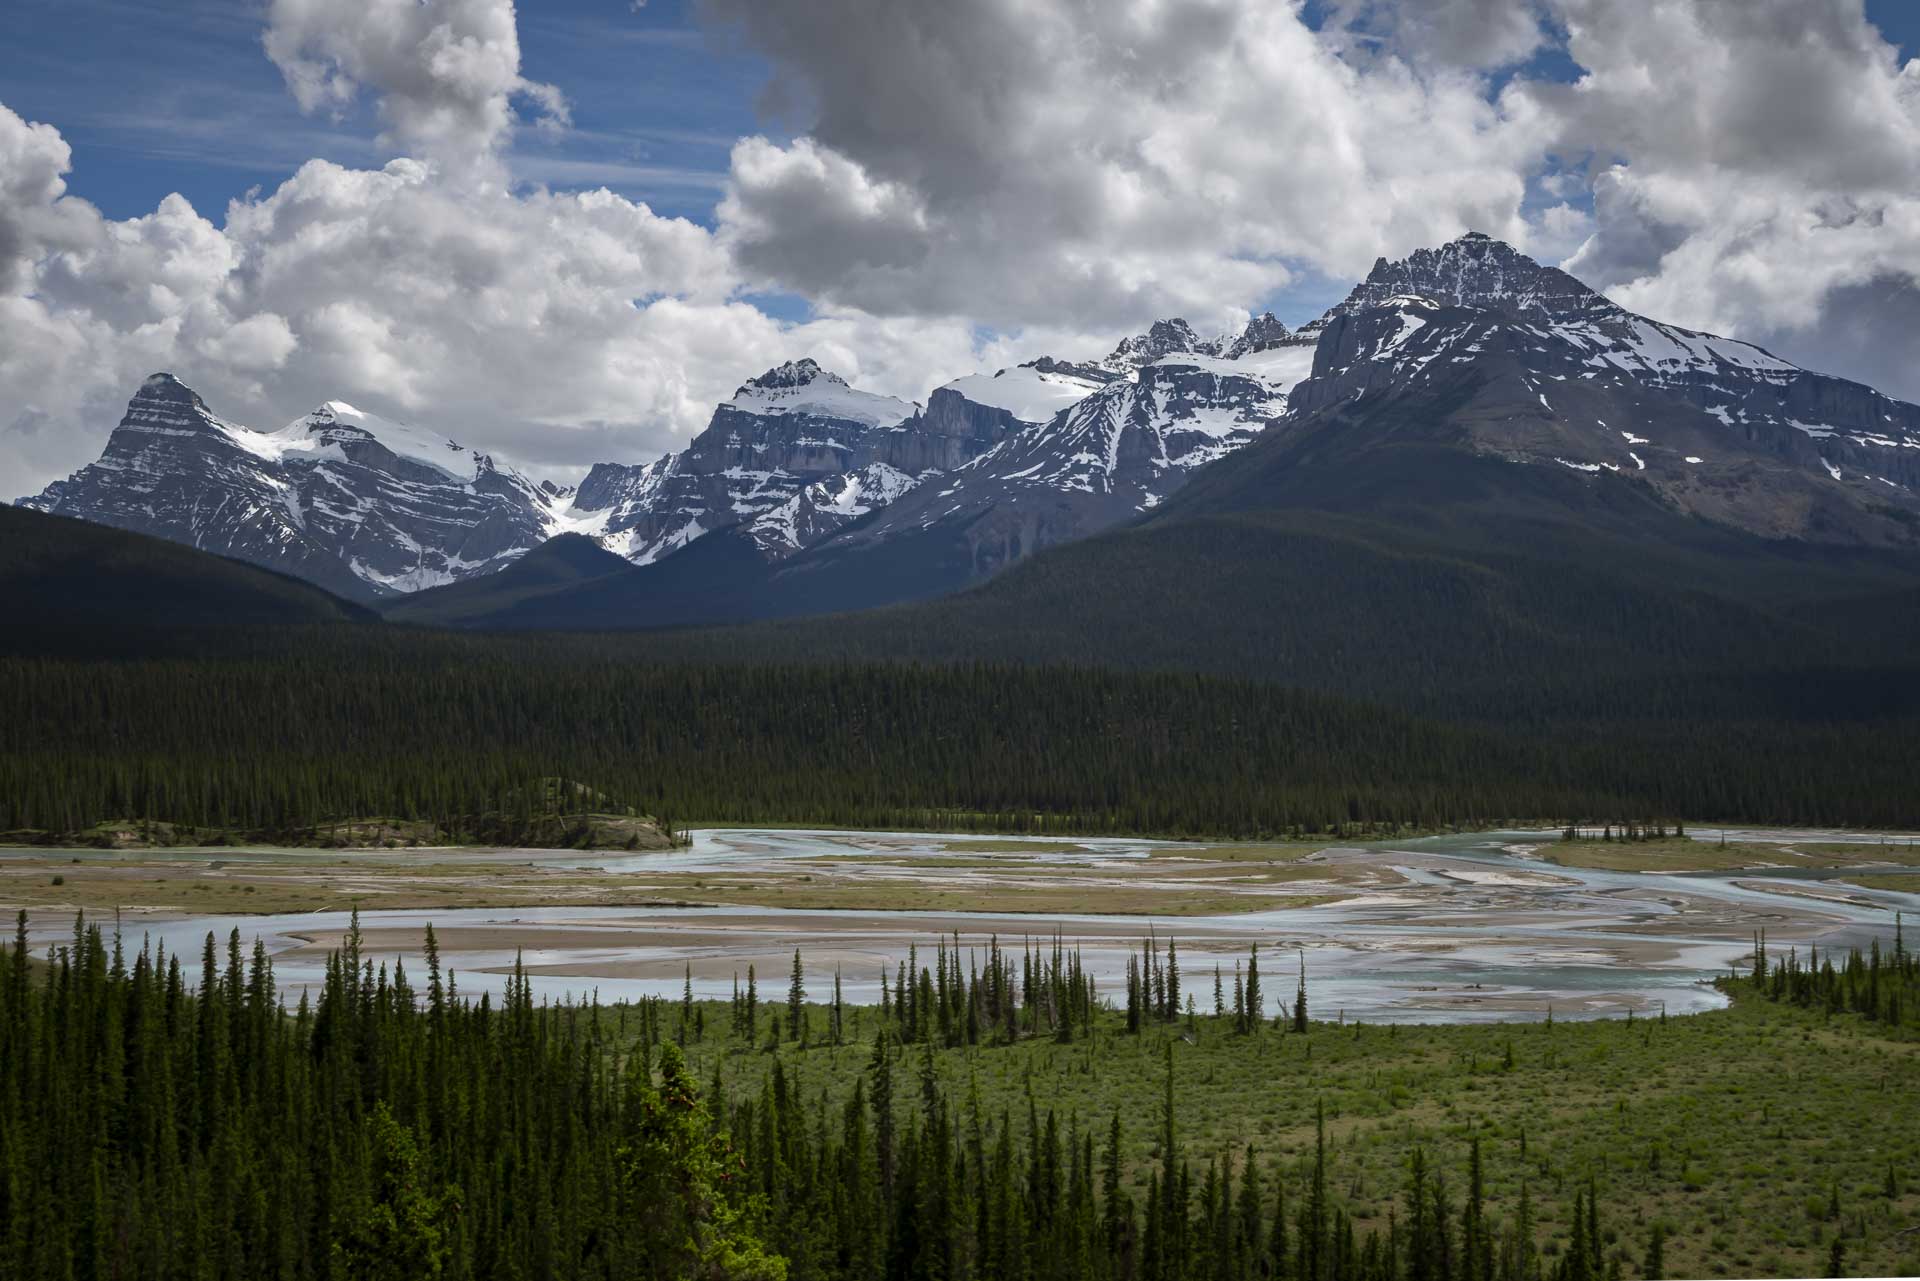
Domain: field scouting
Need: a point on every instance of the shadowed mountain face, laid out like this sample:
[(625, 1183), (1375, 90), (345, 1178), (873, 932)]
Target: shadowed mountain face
[(559, 564), (56, 572)]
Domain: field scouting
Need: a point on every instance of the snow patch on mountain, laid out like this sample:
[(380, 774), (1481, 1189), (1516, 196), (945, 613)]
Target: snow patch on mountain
[(1029, 394)]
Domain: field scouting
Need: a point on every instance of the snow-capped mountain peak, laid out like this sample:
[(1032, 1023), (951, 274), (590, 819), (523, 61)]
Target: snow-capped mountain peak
[(353, 501), (803, 387), (774, 459), (337, 430), (1480, 272), (1559, 376), (1119, 450)]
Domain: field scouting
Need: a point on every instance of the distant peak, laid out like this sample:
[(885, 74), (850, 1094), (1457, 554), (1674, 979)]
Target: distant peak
[(794, 373), (1263, 333), (165, 388), (1068, 369), (1163, 338)]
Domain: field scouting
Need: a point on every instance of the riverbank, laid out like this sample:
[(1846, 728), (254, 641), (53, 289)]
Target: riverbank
[(583, 831)]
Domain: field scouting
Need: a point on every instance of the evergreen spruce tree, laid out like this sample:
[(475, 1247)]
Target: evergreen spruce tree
[(1654, 1267), (1300, 997), (686, 1005), (1171, 1009), (797, 1001), (1255, 1001)]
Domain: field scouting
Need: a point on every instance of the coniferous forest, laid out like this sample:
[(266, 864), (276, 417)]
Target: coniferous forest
[(272, 731), (169, 1116)]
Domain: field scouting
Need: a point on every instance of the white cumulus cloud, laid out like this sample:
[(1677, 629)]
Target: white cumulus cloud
[(1055, 161), (445, 72)]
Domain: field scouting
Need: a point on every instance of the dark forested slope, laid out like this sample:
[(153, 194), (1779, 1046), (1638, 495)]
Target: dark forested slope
[(55, 570)]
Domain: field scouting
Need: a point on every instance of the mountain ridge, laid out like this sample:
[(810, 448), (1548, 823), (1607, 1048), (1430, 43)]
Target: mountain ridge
[(1537, 368)]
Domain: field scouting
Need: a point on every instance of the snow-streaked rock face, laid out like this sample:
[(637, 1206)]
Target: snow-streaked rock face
[(770, 459), (825, 507), (357, 503), (1112, 455), (797, 454)]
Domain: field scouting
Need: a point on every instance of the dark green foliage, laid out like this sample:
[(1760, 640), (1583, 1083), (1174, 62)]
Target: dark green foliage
[(290, 729), (1882, 987)]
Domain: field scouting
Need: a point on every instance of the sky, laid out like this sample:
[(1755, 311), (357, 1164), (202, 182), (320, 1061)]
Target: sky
[(562, 232)]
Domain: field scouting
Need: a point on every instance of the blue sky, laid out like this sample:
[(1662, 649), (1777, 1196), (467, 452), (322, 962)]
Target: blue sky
[(155, 98)]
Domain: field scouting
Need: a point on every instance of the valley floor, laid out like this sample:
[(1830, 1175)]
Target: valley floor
[(1496, 927)]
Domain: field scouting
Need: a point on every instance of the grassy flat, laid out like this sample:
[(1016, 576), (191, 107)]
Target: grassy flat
[(142, 880), (1735, 1128), (1686, 855), (1905, 883)]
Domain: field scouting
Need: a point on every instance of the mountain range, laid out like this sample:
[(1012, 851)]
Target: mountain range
[(1450, 393)]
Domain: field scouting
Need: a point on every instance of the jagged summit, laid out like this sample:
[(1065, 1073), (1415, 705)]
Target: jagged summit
[(1176, 337), (1163, 338), (794, 373), (1263, 333), (1481, 272)]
